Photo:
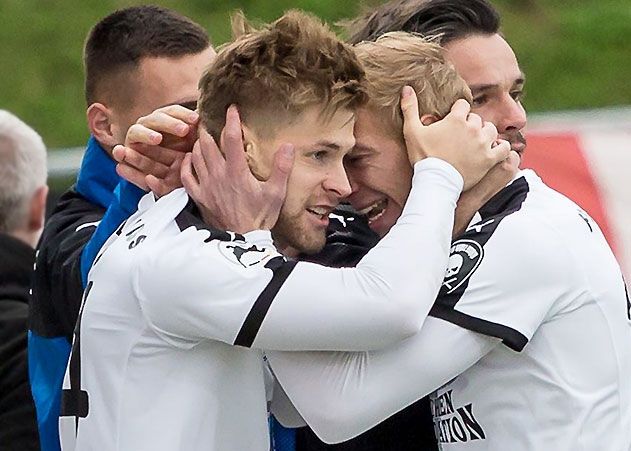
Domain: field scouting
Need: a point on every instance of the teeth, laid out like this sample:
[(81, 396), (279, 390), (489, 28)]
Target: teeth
[(375, 210), (318, 211)]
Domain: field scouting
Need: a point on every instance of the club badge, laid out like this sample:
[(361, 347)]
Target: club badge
[(464, 258)]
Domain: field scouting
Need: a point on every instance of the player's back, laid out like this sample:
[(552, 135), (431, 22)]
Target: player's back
[(564, 309), (148, 389)]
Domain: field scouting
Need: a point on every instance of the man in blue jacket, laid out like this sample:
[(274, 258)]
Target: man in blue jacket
[(136, 60)]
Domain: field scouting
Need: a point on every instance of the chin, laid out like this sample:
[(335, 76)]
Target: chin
[(309, 245)]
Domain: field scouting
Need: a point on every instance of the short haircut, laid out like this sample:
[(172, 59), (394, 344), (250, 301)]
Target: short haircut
[(22, 170), (274, 73), (398, 59), (116, 45), (448, 19)]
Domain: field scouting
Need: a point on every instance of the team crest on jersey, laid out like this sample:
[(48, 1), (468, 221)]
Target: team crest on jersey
[(245, 254), (464, 258)]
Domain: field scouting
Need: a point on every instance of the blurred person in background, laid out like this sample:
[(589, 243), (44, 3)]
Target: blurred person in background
[(136, 60), (23, 192)]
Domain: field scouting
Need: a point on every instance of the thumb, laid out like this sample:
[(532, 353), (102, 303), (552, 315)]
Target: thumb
[(283, 163), (409, 108)]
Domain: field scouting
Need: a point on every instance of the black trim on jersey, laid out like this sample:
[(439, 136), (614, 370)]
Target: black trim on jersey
[(74, 401), (190, 216), (509, 336), (503, 204), (250, 328)]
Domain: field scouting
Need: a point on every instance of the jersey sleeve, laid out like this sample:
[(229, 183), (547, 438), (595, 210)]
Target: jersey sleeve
[(192, 288), (343, 394), (503, 278)]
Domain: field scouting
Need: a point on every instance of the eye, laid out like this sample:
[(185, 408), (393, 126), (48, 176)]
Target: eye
[(517, 95), (319, 154), (354, 160), (479, 100)]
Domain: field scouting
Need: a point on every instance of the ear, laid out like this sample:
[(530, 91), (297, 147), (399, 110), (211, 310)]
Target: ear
[(427, 119), (252, 146), (100, 124), (37, 209)]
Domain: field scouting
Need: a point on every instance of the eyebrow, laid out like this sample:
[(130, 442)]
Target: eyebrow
[(362, 148), (329, 144), (486, 87)]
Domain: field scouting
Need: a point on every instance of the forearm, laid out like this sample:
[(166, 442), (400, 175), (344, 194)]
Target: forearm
[(342, 394)]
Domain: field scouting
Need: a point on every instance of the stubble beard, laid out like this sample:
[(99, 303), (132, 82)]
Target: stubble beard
[(291, 232)]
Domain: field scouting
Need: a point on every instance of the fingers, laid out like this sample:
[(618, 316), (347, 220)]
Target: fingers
[(409, 108), (283, 163), (209, 152), (132, 175), (163, 186), (136, 160), (500, 152), (460, 109), (173, 119), (139, 134), (199, 163), (475, 120), (189, 181), (232, 144)]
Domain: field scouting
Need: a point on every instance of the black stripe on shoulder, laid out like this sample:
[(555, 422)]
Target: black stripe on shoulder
[(467, 251), (512, 338), (507, 201), (250, 328), (191, 217)]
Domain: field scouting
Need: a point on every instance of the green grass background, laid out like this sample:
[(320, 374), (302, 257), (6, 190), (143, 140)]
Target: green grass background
[(576, 53)]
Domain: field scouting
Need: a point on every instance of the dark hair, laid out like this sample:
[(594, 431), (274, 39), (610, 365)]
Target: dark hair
[(450, 19), (119, 41)]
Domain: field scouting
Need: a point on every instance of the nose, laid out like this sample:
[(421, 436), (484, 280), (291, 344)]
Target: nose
[(338, 182), (512, 116)]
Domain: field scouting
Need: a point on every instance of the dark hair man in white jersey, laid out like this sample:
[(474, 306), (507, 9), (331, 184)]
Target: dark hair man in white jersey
[(171, 298)]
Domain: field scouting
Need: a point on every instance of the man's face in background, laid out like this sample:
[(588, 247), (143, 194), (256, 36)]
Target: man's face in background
[(489, 66)]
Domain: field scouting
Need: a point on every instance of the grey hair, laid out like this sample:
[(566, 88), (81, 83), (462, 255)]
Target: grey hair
[(22, 169)]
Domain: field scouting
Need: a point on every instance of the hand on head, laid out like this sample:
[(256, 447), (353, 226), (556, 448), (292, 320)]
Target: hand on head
[(154, 148), (461, 138), (223, 187)]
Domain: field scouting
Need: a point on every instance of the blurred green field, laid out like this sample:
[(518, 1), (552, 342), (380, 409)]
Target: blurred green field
[(576, 54)]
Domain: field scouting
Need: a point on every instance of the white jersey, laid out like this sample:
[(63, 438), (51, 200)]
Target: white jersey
[(529, 341), (168, 351)]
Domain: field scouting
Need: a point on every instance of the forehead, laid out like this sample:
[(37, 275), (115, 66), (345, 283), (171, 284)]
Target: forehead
[(165, 80), (484, 59), (312, 127), (370, 132)]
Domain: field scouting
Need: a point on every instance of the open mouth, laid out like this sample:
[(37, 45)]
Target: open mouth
[(375, 210), (321, 213)]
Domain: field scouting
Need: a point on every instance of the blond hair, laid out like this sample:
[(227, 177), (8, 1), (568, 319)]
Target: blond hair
[(274, 73), (397, 59)]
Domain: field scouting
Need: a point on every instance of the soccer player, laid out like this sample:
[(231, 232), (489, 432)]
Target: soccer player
[(525, 347), (173, 305), (136, 60)]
